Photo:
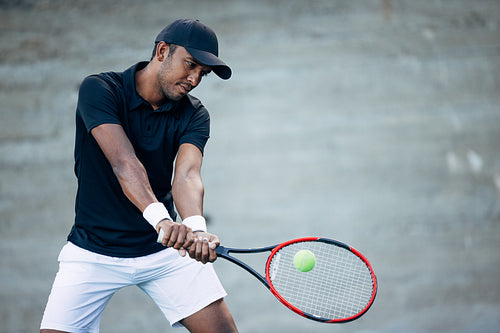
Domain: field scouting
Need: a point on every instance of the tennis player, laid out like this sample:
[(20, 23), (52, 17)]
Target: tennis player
[(134, 129)]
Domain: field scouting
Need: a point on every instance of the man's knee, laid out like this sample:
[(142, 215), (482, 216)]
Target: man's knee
[(215, 318)]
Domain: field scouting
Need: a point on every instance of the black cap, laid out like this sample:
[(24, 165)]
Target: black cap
[(199, 40)]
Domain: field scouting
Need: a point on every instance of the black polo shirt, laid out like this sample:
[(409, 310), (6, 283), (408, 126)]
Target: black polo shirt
[(106, 221)]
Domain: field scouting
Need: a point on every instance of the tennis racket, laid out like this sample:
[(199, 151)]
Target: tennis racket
[(339, 288)]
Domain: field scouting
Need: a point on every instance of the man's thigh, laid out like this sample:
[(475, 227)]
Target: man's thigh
[(185, 289), (79, 295)]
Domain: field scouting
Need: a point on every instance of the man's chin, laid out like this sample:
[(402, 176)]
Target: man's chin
[(176, 97)]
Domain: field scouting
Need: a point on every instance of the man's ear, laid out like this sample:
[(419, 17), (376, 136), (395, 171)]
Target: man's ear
[(161, 51)]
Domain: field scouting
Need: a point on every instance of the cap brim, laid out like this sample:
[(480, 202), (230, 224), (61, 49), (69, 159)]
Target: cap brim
[(206, 58)]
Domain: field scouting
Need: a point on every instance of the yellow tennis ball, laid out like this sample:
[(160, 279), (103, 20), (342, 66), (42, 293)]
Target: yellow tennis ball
[(304, 260)]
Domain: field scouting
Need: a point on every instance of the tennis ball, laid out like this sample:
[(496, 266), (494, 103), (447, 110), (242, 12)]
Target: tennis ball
[(304, 260)]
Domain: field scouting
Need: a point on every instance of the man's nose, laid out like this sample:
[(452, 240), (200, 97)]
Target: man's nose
[(194, 78)]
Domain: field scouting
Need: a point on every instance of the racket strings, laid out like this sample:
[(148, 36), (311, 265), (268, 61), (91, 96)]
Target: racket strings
[(339, 286)]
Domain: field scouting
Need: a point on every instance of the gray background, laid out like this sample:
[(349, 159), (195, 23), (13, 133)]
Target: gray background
[(372, 122)]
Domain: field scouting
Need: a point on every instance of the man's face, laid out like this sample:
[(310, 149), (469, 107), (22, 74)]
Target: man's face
[(179, 73)]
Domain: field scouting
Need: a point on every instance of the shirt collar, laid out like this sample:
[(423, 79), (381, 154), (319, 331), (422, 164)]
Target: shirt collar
[(134, 100)]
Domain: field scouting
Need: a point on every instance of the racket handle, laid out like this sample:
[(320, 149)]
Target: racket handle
[(160, 236), (218, 250)]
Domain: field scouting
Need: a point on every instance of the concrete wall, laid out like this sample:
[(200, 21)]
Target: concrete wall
[(372, 122)]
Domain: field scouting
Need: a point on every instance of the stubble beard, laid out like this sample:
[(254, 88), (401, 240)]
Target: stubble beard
[(165, 87)]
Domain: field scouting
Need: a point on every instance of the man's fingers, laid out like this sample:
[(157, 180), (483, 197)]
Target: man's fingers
[(180, 239), (192, 248), (176, 235), (172, 239), (167, 231), (211, 249), (182, 252), (199, 246), (188, 239), (204, 251)]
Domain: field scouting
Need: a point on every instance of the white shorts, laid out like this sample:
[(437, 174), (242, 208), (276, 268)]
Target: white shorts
[(180, 286)]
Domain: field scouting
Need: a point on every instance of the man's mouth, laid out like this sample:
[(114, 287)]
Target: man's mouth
[(186, 88)]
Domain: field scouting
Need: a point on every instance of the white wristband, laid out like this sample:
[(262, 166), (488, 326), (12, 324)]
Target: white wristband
[(156, 212), (196, 223)]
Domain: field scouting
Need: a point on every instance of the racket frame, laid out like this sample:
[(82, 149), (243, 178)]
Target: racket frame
[(307, 315), (266, 281)]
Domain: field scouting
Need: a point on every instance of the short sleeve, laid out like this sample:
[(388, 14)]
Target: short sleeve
[(97, 103), (198, 129)]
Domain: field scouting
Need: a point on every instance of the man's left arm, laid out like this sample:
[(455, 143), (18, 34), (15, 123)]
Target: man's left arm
[(188, 192)]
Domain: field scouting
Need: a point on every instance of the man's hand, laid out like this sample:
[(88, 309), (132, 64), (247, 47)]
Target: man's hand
[(200, 245), (203, 247), (176, 235)]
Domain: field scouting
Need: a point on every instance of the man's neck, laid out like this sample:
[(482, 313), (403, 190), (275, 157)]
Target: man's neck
[(146, 85)]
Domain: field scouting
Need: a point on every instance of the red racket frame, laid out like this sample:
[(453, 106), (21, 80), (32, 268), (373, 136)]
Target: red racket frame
[(307, 315)]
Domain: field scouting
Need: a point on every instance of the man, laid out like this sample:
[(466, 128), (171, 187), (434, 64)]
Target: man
[(130, 127)]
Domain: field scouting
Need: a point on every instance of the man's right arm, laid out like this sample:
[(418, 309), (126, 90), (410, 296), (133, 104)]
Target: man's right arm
[(133, 178), (128, 169)]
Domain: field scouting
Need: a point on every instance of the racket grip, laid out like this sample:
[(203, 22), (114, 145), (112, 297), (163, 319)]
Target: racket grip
[(160, 236), (218, 250)]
